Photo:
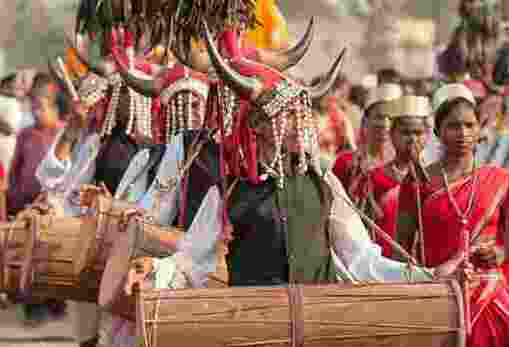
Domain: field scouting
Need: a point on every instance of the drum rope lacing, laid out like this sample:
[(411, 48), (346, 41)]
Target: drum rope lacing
[(4, 259), (32, 218), (296, 308), (150, 337), (26, 255)]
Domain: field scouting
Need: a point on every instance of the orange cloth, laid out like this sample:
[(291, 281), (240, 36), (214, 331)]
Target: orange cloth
[(73, 65), (272, 33)]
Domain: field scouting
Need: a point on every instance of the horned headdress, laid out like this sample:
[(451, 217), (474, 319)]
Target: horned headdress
[(274, 97)]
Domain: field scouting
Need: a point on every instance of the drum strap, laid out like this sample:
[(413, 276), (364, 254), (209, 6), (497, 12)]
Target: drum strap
[(295, 300)]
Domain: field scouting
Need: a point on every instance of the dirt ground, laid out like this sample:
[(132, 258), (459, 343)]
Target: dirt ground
[(14, 334)]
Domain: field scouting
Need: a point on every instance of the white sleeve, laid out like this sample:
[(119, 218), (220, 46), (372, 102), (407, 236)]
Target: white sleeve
[(52, 171), (353, 250), (196, 255), (199, 242), (65, 177), (13, 113)]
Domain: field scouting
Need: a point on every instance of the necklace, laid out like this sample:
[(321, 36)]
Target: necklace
[(464, 216), (465, 236)]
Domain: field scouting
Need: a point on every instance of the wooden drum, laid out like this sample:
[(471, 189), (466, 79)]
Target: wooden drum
[(39, 254), (424, 314)]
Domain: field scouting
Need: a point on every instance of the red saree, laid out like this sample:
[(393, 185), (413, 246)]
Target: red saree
[(442, 227), (343, 167), (352, 168), (386, 191)]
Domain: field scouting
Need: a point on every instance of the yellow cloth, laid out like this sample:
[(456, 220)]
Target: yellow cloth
[(156, 55), (272, 33), (197, 43)]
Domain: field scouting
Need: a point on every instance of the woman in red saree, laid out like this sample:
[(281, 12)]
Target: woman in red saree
[(409, 129), (351, 167), (463, 207)]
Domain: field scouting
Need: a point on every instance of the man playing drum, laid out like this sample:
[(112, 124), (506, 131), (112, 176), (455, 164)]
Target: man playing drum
[(301, 221)]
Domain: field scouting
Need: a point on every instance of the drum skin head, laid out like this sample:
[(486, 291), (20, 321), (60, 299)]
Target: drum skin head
[(117, 267)]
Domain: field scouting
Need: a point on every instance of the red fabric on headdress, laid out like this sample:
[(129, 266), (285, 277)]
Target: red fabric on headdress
[(250, 51), (229, 44), (128, 39), (143, 66), (159, 119), (53, 88)]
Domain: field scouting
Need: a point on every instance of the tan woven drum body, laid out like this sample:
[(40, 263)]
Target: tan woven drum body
[(425, 314), (61, 257), (39, 257)]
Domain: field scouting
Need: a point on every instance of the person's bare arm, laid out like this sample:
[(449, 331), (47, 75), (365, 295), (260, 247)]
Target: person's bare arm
[(72, 132)]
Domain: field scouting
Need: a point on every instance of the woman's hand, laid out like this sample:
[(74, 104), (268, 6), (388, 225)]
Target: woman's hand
[(77, 121)]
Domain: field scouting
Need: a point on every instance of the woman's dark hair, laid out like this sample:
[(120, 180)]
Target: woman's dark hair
[(446, 108)]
